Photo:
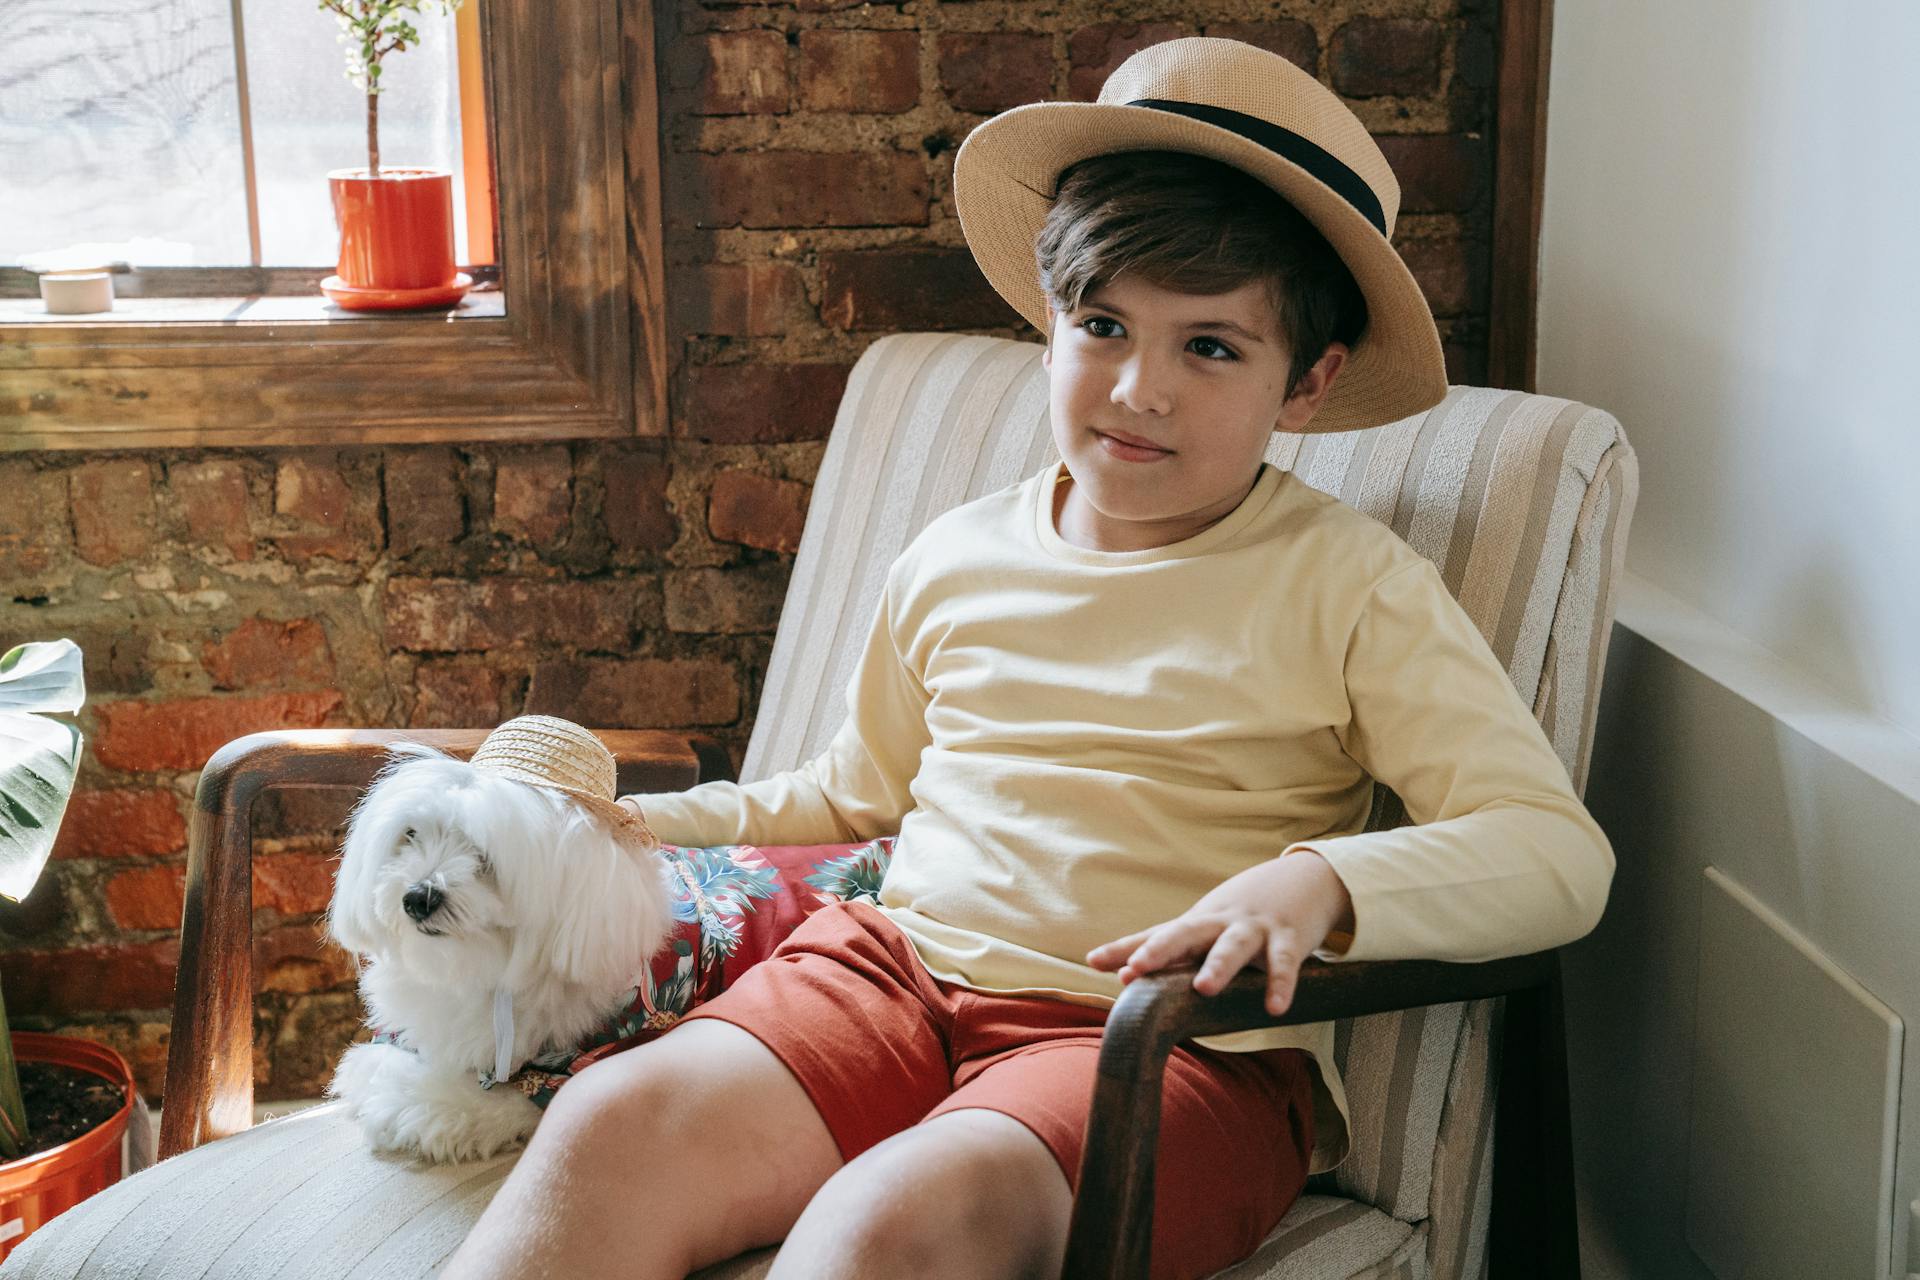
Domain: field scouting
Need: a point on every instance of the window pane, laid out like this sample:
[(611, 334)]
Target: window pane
[(309, 118), (123, 118), (119, 120)]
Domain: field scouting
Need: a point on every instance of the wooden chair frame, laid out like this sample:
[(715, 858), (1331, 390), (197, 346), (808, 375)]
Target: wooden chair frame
[(209, 1087)]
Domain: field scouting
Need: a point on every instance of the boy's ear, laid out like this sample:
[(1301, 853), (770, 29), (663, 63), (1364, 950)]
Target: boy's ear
[(1311, 391), (1046, 357)]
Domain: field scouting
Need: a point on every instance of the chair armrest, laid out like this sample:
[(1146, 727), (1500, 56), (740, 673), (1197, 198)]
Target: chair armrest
[(1111, 1233), (209, 1089)]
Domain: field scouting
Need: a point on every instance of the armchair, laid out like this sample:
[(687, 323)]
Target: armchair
[(1523, 501)]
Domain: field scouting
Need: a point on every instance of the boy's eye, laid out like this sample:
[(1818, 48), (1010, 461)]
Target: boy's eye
[(1226, 352), (1090, 321)]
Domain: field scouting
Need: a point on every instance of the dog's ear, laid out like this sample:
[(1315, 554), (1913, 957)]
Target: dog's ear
[(610, 908)]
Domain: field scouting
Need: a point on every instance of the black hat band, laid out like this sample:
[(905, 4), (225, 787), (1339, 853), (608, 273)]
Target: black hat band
[(1322, 164)]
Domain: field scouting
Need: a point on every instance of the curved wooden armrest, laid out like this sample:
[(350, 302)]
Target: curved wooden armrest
[(209, 1089), (1111, 1235)]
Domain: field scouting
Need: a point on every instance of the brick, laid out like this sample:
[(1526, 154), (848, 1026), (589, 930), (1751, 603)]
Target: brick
[(432, 615), (878, 188), (309, 1042), (635, 508), (989, 71), (1291, 38), (299, 959), (320, 512), (112, 510), (120, 823), (35, 531), (311, 489), (636, 693), (1438, 172), (738, 601), (113, 656), (90, 979), (860, 71), (1466, 360), (142, 1043), (1373, 57), (46, 912), (184, 733), (758, 511), (891, 289), (294, 813), (741, 299), (533, 494), (148, 897), (424, 504), (261, 652), (293, 884), (1445, 272), (455, 695), (762, 403), (1094, 52), (212, 498), (732, 72)]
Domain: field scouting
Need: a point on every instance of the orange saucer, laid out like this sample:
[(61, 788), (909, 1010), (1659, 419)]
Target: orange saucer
[(360, 299)]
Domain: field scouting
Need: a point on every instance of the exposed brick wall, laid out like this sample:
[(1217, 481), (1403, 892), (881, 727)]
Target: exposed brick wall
[(809, 157)]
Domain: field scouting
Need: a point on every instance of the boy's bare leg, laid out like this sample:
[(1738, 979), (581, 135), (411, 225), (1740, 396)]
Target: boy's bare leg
[(658, 1161), (970, 1193)]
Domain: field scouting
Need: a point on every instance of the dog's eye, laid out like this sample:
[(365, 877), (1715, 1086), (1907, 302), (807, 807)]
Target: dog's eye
[(486, 865)]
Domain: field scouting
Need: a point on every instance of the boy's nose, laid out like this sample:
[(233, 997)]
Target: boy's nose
[(1141, 389)]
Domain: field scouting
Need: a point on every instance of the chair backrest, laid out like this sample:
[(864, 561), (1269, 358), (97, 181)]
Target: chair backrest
[(1522, 501)]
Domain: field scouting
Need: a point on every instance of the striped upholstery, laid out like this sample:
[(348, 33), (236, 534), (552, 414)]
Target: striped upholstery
[(1522, 501)]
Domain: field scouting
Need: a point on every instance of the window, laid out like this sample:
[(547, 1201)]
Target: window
[(577, 351)]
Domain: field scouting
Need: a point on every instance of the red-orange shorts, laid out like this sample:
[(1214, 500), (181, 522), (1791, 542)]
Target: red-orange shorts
[(1236, 1129)]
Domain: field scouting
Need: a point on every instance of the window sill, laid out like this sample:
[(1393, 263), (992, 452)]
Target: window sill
[(479, 304)]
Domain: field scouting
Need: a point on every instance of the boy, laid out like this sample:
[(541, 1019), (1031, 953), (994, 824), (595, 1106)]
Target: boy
[(1123, 715)]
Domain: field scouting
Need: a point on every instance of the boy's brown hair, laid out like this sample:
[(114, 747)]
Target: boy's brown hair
[(1193, 224)]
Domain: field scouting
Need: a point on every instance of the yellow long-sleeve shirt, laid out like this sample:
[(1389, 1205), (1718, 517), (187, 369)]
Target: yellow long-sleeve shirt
[(1073, 745)]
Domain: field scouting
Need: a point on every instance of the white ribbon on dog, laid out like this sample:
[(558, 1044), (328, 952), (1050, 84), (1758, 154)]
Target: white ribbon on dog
[(502, 1033)]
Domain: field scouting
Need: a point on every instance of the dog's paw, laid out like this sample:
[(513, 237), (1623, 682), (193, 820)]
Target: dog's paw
[(405, 1107)]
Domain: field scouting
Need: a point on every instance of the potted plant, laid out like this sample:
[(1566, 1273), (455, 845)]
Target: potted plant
[(396, 224), (64, 1135)]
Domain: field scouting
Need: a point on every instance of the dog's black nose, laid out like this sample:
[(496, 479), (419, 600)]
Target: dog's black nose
[(422, 901)]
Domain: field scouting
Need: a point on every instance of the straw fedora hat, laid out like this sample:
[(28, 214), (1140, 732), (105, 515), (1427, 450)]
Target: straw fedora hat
[(1250, 109), (557, 754)]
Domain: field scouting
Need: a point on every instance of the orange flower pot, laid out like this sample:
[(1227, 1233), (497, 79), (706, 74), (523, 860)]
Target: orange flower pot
[(396, 240), (34, 1189)]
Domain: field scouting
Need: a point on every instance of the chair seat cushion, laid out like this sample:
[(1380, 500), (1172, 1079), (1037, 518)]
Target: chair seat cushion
[(302, 1198)]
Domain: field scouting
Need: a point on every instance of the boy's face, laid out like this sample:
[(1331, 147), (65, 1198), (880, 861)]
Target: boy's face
[(1139, 362)]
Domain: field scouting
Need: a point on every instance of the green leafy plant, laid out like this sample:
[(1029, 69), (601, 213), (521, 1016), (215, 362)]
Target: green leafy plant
[(38, 760), (372, 29)]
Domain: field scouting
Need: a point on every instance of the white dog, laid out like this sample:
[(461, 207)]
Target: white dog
[(503, 911)]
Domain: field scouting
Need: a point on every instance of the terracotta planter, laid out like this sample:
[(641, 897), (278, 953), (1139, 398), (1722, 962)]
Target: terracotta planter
[(34, 1189), (396, 240)]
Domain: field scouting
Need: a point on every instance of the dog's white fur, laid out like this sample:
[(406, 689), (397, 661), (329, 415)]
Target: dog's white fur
[(538, 897)]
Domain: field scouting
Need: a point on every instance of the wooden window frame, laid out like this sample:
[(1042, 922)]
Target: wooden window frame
[(580, 351)]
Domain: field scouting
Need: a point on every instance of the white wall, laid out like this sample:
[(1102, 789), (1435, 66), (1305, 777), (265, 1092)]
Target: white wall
[(1731, 265)]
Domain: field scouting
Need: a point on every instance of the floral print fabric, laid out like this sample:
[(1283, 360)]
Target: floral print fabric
[(732, 905)]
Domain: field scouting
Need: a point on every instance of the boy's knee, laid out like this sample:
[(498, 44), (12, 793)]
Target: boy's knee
[(931, 1196)]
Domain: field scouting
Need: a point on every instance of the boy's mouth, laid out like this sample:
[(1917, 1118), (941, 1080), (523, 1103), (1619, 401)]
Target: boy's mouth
[(1131, 448)]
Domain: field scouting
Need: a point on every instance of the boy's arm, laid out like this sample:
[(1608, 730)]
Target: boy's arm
[(1506, 860), (857, 789)]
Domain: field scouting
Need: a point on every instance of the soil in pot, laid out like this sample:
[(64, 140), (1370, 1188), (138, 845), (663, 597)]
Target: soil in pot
[(64, 1102)]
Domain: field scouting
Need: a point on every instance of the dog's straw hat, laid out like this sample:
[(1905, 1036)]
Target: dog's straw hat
[(1250, 109), (546, 751)]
